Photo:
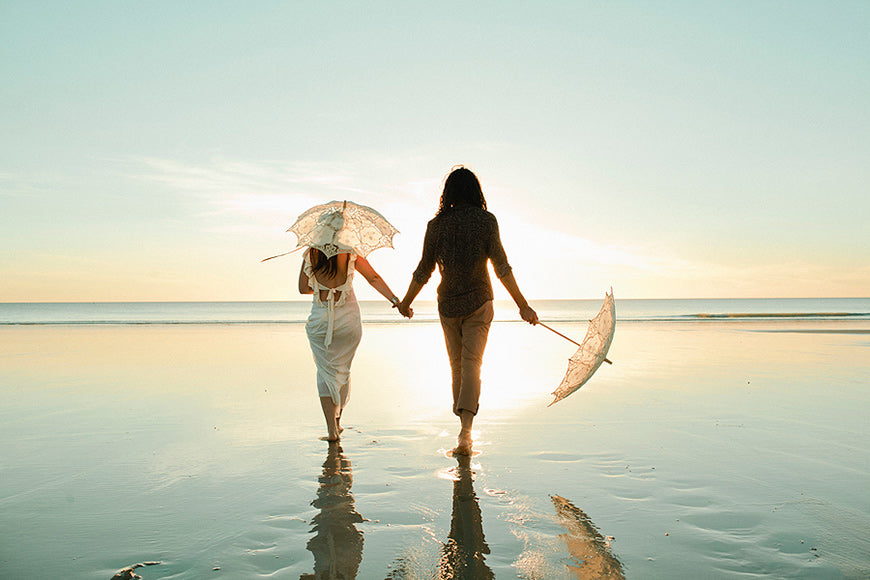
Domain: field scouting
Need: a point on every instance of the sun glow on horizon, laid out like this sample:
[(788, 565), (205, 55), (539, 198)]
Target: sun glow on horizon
[(654, 149)]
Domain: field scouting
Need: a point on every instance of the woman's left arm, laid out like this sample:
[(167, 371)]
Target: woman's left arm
[(373, 278), (304, 287)]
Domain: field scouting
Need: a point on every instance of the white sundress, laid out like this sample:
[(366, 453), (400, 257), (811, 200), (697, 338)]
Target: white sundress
[(334, 331)]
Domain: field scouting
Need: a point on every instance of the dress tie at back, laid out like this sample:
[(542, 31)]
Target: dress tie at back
[(331, 302)]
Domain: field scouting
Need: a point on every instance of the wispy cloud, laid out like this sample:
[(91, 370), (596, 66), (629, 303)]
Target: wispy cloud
[(517, 232), (251, 188)]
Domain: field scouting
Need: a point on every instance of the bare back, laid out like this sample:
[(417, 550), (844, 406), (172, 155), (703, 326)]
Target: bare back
[(334, 281)]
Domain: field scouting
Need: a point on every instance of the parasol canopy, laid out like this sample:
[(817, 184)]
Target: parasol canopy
[(342, 227), (592, 352), (591, 552)]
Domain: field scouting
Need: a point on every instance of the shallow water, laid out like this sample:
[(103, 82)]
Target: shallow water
[(714, 450)]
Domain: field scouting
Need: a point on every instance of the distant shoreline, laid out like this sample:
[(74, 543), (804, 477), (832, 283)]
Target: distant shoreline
[(694, 311)]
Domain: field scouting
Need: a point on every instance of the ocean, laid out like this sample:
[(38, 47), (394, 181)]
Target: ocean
[(379, 312), (183, 441)]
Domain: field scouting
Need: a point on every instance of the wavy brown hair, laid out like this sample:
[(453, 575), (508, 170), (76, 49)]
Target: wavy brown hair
[(321, 264), (461, 188)]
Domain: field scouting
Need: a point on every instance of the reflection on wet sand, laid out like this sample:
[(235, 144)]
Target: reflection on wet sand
[(463, 554), (588, 548), (337, 545)]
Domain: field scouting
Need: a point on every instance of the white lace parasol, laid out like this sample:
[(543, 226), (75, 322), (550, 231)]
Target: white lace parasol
[(343, 226), (340, 227), (592, 352)]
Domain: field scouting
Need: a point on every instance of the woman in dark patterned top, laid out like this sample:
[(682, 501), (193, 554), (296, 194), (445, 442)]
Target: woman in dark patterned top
[(461, 239)]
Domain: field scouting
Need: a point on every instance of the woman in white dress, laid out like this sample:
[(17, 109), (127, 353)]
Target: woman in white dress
[(334, 326)]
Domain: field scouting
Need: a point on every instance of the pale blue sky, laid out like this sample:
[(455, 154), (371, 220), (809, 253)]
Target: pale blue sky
[(158, 150)]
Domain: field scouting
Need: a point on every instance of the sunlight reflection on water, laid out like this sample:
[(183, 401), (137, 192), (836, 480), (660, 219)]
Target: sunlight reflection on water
[(715, 447)]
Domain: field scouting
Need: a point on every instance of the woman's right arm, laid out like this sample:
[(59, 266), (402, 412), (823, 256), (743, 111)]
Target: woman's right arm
[(375, 280), (304, 288), (504, 272), (527, 313)]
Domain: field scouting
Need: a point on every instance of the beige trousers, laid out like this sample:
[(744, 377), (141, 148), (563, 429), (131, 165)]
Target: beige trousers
[(466, 340)]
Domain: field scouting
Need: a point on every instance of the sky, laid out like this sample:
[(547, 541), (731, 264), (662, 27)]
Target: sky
[(668, 149)]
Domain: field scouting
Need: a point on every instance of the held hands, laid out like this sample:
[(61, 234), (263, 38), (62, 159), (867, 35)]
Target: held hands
[(404, 309)]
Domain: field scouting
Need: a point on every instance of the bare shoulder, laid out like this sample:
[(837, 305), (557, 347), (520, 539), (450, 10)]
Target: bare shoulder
[(361, 261)]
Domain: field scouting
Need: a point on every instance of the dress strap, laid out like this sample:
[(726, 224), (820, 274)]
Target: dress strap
[(351, 268), (312, 279)]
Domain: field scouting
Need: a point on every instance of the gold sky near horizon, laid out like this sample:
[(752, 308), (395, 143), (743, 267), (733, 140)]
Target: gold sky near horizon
[(158, 152)]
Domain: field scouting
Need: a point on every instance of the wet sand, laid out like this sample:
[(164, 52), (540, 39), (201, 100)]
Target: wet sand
[(708, 450)]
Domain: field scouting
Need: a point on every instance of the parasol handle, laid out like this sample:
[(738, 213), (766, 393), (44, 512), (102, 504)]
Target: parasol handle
[(559, 333), (568, 339), (284, 254)]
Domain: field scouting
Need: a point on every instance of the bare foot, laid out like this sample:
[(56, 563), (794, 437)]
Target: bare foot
[(334, 430), (464, 444)]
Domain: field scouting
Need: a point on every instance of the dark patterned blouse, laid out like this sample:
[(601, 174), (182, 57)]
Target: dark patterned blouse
[(461, 241)]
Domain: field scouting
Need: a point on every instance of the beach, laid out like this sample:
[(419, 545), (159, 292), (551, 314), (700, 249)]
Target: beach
[(709, 449)]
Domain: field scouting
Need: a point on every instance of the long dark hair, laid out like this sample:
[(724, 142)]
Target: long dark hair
[(321, 264), (461, 188)]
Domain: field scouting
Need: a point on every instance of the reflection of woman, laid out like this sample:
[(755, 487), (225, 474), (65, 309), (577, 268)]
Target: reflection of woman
[(338, 545), (463, 554), (334, 326), (461, 239)]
